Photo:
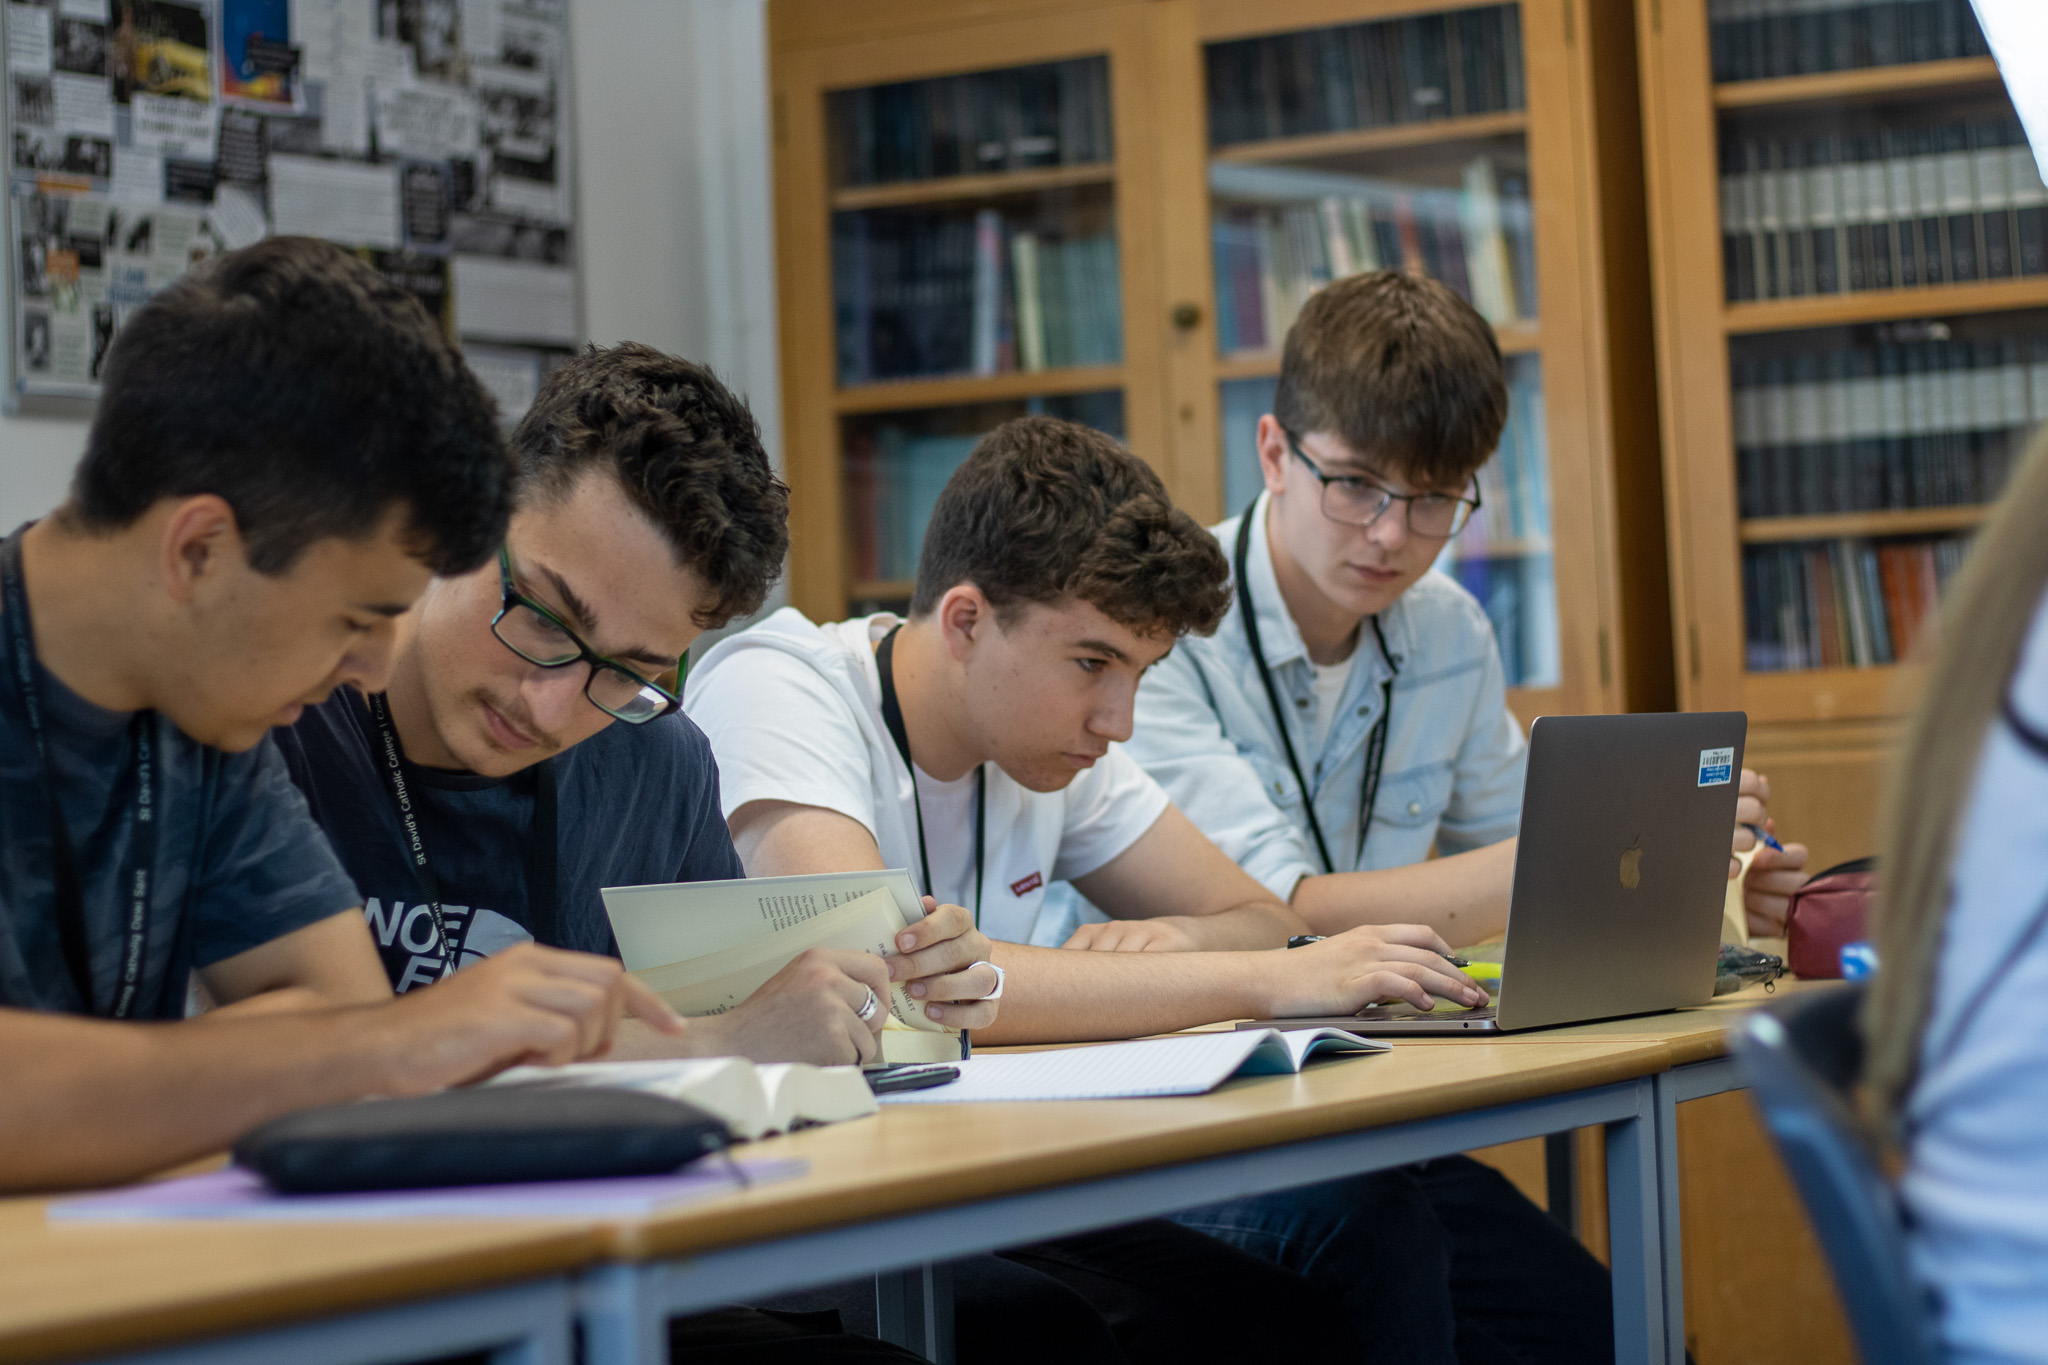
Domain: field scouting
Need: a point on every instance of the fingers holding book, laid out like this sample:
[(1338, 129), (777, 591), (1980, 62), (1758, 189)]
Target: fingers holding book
[(943, 959)]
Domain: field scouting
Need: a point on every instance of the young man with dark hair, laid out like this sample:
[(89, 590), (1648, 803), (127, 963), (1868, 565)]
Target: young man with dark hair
[(977, 743), (285, 449), (645, 512), (532, 723), (1391, 395)]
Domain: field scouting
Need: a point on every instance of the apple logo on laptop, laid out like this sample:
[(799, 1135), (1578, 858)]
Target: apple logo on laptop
[(1632, 865)]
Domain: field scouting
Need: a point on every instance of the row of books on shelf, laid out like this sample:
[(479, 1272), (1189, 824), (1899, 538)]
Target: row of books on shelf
[(1758, 39), (1886, 209), (1514, 486), (1842, 603), (1898, 425), (893, 479), (1270, 257), (1052, 114), (1520, 599), (923, 294), (1411, 70)]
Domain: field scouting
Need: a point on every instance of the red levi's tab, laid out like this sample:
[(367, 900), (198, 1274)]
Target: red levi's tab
[(1024, 886)]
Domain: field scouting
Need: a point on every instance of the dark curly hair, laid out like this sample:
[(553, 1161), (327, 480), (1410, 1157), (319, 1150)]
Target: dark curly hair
[(1046, 509), (1402, 369), (293, 380), (687, 452)]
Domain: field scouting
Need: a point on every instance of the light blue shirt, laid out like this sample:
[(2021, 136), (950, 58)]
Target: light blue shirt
[(1452, 776)]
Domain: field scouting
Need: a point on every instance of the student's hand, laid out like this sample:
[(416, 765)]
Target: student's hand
[(807, 1012), (1367, 966), (1134, 936), (936, 956), (1752, 813), (528, 1004), (1774, 874)]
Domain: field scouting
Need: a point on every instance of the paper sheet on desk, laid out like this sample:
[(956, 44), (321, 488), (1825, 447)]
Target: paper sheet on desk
[(237, 1195), (1191, 1064)]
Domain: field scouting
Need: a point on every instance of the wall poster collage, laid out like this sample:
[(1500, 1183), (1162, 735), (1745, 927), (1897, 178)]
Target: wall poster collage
[(430, 136)]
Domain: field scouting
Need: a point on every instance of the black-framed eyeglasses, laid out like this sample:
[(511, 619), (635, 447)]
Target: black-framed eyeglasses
[(1358, 501), (539, 636)]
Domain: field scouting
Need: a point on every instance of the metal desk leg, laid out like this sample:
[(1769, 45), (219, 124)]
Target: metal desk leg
[(1693, 1081), (914, 1309), (621, 1323), (1635, 1234)]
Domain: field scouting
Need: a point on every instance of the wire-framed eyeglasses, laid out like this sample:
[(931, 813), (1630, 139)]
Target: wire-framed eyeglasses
[(540, 637), (1357, 501)]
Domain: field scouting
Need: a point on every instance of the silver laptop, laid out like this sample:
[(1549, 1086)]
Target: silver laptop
[(1619, 877)]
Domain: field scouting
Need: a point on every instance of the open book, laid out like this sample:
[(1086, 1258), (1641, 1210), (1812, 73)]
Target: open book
[(706, 946), (1188, 1064), (753, 1098)]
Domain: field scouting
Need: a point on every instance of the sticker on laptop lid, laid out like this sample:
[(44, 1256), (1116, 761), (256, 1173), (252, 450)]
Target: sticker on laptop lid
[(1716, 767)]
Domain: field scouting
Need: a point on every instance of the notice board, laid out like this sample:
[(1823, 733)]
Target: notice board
[(430, 136)]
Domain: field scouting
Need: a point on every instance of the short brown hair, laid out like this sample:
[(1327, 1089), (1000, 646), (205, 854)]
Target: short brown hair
[(686, 450), (1046, 509), (1402, 369)]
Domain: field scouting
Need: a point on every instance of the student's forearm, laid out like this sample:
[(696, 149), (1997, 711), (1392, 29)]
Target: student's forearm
[(1463, 897), (1054, 995), (1253, 926), (91, 1102)]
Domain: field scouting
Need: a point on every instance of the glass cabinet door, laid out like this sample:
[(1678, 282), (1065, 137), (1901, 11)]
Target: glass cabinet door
[(1400, 143)]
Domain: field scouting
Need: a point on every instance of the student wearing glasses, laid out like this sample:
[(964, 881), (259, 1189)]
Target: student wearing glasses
[(1397, 738), (528, 749), (1349, 716)]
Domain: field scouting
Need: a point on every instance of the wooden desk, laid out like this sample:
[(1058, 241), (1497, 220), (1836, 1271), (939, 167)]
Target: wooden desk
[(922, 1185), (70, 1290)]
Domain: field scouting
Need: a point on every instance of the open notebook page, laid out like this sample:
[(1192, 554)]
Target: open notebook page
[(1193, 1064)]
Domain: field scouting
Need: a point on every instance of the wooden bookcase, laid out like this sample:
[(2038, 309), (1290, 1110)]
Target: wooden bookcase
[(1821, 731), (1580, 588)]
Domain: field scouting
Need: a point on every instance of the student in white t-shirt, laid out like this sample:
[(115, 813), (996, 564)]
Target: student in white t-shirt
[(1055, 572)]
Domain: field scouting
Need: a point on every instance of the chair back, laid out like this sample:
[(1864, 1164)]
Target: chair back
[(1801, 1057)]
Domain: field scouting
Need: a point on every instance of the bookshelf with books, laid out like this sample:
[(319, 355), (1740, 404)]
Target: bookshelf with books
[(1494, 147), (1850, 249), (958, 244)]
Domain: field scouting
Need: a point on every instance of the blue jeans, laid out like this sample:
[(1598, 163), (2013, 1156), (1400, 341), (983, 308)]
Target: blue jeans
[(1440, 1263)]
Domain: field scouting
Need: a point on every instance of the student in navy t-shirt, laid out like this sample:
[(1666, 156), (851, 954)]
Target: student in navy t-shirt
[(645, 512), (286, 448)]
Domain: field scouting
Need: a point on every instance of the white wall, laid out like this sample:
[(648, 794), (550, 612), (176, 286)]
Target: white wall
[(671, 126)]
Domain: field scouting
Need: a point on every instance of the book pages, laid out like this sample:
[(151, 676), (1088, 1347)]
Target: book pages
[(716, 982)]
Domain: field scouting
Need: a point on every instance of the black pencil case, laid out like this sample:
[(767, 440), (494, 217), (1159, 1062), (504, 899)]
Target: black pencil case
[(479, 1137)]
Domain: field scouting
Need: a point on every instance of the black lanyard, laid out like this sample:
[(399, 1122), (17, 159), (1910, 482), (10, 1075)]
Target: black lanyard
[(74, 936), (540, 852), (892, 716), (1375, 743)]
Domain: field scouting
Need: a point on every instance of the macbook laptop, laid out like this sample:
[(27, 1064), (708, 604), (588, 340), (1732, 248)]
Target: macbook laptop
[(1619, 877)]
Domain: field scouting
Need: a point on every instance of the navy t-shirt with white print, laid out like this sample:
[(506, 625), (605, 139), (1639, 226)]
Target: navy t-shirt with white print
[(635, 804)]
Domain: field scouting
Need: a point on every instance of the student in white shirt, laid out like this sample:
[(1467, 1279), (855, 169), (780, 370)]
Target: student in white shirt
[(1391, 395), (1055, 572), (1957, 1069)]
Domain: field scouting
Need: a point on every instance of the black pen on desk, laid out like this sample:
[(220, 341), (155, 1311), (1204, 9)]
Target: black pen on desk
[(1303, 940)]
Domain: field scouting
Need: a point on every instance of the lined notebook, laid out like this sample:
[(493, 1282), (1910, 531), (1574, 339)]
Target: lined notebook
[(1193, 1064)]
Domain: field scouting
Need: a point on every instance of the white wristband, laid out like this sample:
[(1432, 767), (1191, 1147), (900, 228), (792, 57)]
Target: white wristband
[(997, 993)]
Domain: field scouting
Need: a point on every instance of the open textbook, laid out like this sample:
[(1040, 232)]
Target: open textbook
[(1188, 1064), (753, 1099), (706, 946)]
